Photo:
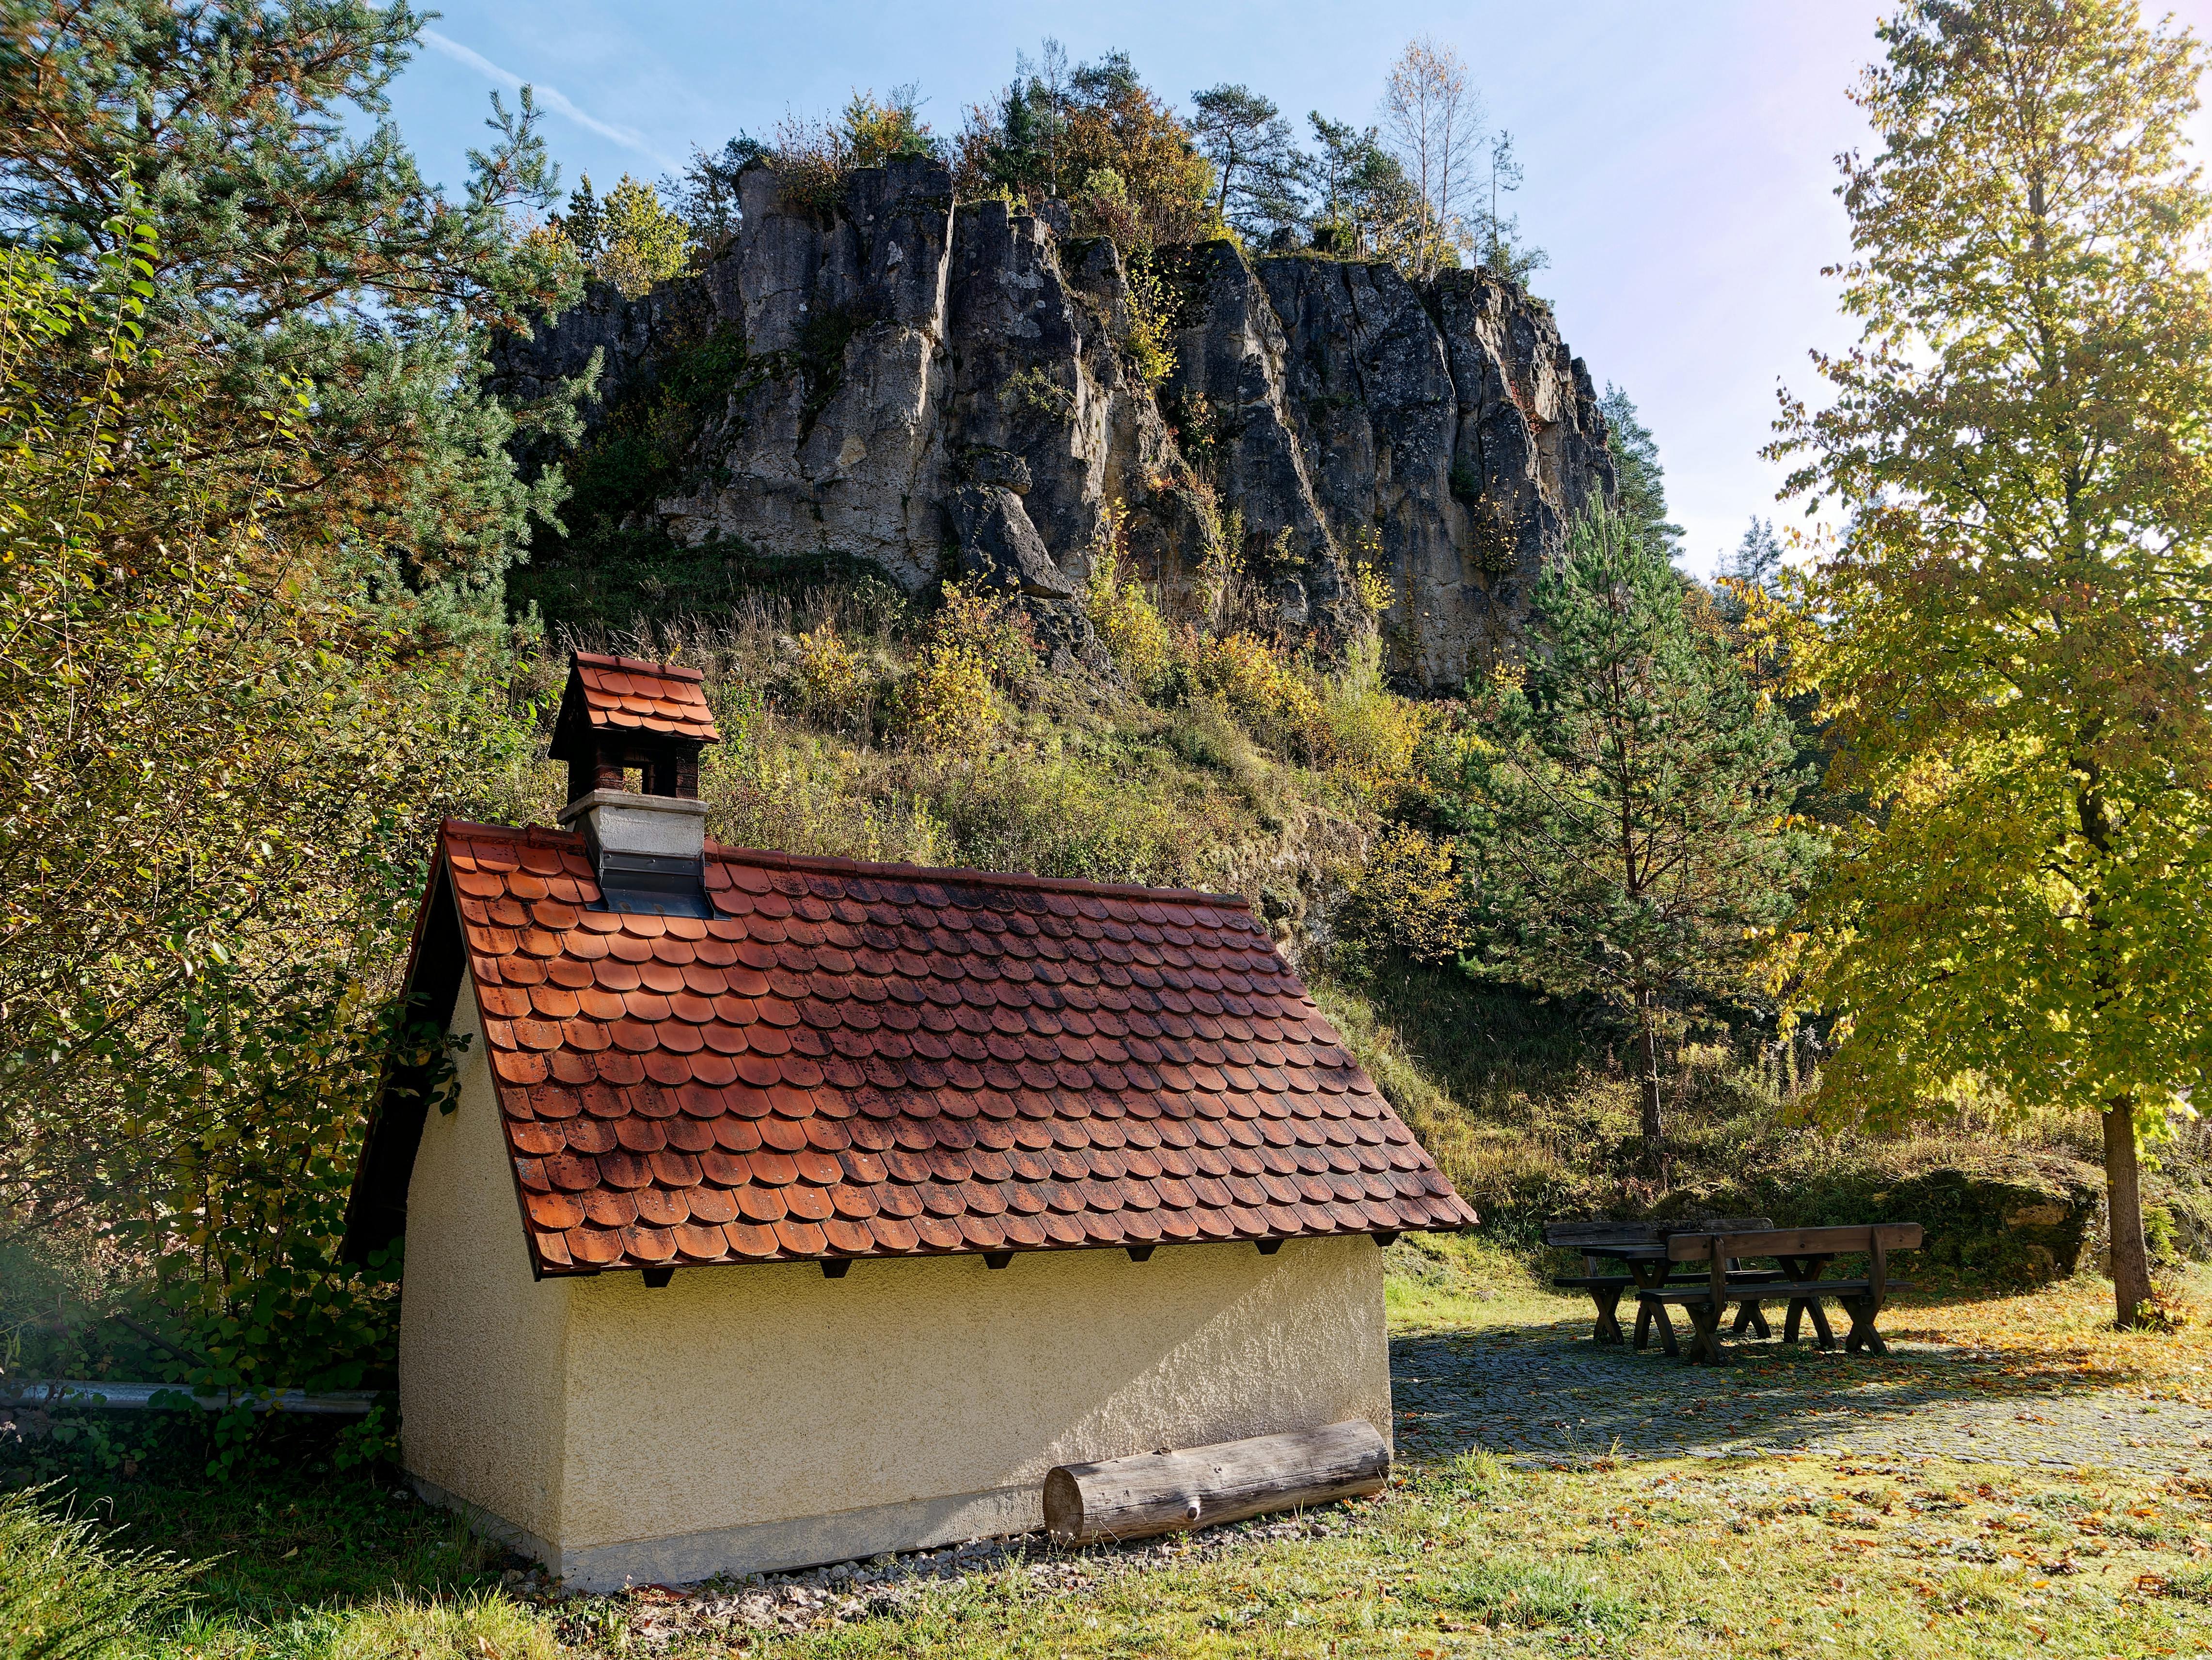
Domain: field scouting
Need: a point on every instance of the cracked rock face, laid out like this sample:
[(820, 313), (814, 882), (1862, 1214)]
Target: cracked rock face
[(942, 389), (999, 546)]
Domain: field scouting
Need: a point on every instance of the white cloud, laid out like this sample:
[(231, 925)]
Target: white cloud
[(548, 98)]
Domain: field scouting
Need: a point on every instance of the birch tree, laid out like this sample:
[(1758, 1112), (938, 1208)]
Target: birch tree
[(1432, 121)]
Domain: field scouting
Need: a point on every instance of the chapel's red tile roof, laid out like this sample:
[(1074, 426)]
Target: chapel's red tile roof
[(624, 694), (854, 1060)]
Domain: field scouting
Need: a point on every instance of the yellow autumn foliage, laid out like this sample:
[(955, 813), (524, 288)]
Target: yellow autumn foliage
[(830, 678), (1258, 680), (946, 705), (1126, 621), (1408, 895)]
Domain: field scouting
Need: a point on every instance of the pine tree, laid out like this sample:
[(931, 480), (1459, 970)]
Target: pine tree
[(1757, 559), (1362, 201), (1625, 823), (1496, 234), (584, 222), (1255, 160), (1641, 487), (707, 193), (1097, 136), (298, 243)]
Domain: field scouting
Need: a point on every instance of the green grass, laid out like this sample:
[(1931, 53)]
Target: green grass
[(65, 1592), (1450, 1283), (337, 1566), (1795, 1557), (268, 1547)]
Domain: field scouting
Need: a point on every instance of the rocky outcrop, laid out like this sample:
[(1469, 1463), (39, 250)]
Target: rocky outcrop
[(939, 388), (998, 545)]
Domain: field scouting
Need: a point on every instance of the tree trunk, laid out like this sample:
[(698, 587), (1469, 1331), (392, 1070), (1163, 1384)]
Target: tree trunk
[(2124, 1207), (1647, 1070)]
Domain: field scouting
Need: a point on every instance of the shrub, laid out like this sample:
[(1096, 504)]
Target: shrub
[(1102, 207), (877, 133), (987, 624), (1035, 393), (1406, 897), (1258, 682), (1149, 350), (947, 701), (1380, 738), (644, 242), (63, 1595), (1129, 623), (813, 157), (1221, 575), (1205, 733), (1098, 136), (1371, 582), (832, 685)]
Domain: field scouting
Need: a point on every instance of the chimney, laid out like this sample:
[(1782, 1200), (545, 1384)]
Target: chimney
[(621, 719)]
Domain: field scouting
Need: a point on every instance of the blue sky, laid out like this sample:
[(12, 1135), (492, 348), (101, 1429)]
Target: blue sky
[(1679, 157)]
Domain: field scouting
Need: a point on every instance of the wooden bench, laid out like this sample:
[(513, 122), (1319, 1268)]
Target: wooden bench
[(1640, 1248), (1804, 1252)]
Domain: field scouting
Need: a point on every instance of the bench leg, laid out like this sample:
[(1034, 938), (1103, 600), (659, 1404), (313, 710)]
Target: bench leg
[(1796, 1317), (1863, 1338), (1657, 1313), (1608, 1322), (1820, 1321), (1749, 1317), (1705, 1331), (1644, 1324)]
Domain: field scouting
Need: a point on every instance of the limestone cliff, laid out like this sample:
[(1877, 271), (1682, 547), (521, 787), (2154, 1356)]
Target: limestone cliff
[(933, 388)]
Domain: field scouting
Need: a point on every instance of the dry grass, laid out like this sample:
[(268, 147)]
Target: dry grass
[(1063, 778)]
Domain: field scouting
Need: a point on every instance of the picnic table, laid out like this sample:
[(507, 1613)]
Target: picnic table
[(1640, 1248), (1804, 1254)]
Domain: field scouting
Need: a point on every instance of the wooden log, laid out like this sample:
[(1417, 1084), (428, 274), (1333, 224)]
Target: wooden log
[(1154, 1492)]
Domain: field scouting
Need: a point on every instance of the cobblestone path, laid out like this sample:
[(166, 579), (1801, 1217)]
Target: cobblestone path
[(1548, 1393)]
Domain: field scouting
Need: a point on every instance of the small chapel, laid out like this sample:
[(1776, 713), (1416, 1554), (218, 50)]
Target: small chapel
[(785, 1210)]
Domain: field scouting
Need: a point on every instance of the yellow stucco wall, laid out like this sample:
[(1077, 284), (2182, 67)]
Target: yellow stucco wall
[(745, 1418), (739, 1396), (482, 1378)]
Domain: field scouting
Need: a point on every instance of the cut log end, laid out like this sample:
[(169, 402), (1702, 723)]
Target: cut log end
[(1153, 1493)]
